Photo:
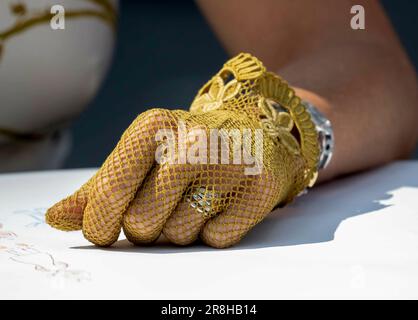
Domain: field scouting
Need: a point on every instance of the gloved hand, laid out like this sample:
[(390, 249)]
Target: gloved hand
[(160, 178)]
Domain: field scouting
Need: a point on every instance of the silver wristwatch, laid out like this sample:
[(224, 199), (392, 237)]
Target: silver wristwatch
[(325, 134)]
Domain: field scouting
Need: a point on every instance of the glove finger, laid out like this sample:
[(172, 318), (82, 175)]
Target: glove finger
[(248, 207), (155, 201), (186, 222), (120, 176), (67, 215)]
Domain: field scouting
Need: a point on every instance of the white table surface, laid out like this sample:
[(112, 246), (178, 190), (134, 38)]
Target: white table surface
[(353, 238)]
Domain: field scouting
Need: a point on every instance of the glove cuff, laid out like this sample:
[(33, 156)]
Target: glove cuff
[(244, 85)]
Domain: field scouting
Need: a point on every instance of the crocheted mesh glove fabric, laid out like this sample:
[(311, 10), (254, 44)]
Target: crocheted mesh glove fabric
[(146, 198)]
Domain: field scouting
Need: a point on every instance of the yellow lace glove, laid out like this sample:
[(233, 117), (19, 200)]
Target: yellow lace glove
[(216, 196)]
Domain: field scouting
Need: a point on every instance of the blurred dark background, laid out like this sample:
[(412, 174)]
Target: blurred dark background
[(165, 51)]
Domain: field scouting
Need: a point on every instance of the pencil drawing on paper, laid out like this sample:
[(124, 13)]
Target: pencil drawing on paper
[(37, 216), (39, 260)]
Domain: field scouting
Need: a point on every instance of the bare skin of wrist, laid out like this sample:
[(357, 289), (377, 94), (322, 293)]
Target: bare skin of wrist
[(361, 80)]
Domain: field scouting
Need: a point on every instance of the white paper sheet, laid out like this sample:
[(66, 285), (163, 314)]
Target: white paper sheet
[(353, 238)]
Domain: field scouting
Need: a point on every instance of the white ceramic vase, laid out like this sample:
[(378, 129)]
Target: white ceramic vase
[(48, 76)]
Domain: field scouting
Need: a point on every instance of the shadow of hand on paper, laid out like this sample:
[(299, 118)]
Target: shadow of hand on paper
[(316, 217), (313, 218)]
